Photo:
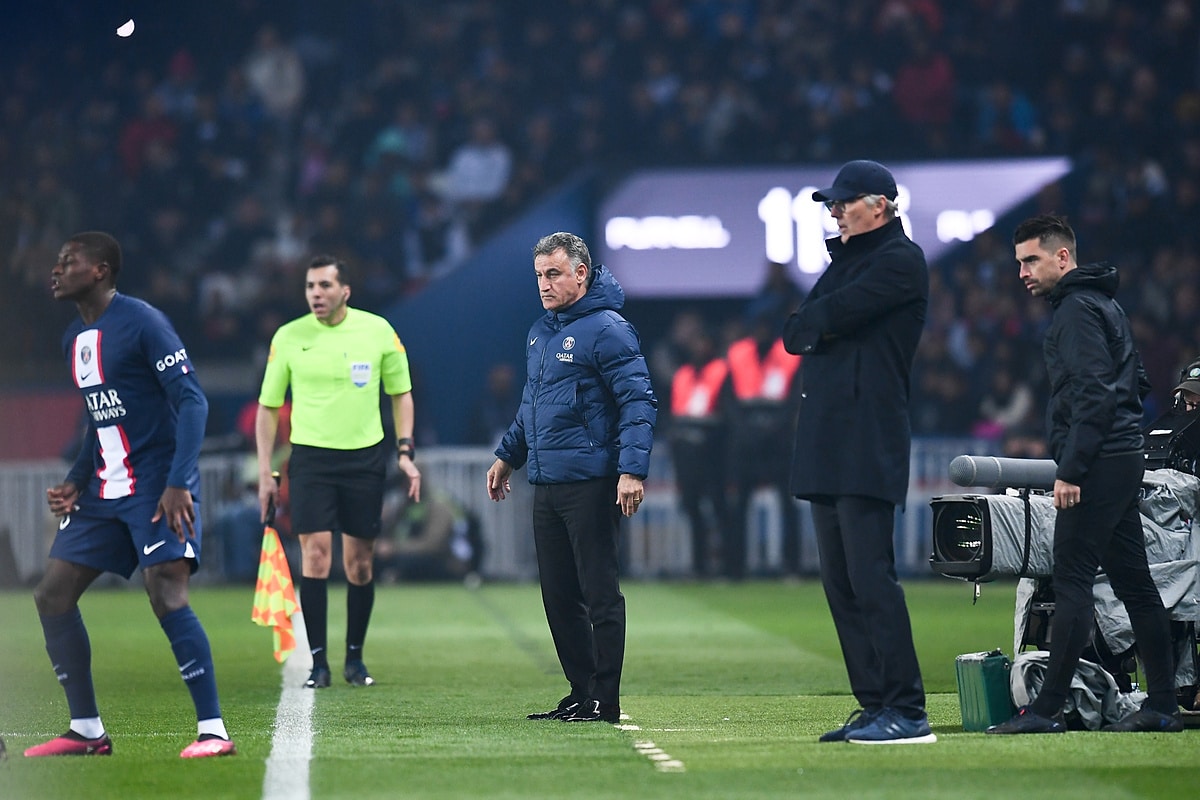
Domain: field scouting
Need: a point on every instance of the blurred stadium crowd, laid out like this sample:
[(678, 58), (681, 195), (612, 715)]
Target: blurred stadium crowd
[(225, 142)]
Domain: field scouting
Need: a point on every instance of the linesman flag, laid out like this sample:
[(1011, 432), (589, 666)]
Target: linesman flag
[(274, 594)]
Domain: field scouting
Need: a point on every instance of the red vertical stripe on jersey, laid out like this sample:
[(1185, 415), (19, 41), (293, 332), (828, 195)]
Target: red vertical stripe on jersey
[(99, 360)]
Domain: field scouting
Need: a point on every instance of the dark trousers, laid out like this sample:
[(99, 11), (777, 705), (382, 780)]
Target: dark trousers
[(575, 530), (763, 458), (1105, 530), (736, 535), (858, 570), (700, 479)]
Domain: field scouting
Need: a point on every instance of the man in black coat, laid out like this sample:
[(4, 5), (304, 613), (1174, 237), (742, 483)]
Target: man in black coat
[(858, 331), (1094, 431)]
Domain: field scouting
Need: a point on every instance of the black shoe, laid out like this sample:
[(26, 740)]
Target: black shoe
[(1147, 720), (566, 707), (356, 674), (319, 679), (594, 711), (1025, 721)]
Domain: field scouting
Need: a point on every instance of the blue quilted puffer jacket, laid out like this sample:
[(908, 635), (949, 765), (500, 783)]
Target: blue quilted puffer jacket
[(588, 409)]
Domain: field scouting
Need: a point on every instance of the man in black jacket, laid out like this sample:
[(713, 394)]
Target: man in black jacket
[(1094, 430), (858, 332)]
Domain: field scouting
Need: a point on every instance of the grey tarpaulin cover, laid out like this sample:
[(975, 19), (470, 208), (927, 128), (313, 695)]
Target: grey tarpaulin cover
[(1094, 694), (1008, 535)]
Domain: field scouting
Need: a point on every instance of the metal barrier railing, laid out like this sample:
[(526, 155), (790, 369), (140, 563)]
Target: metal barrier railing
[(27, 527), (657, 542)]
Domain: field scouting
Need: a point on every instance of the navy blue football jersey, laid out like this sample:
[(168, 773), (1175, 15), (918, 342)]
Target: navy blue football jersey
[(124, 365)]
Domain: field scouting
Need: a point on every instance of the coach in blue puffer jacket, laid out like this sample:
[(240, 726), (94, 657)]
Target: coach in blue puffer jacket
[(585, 428)]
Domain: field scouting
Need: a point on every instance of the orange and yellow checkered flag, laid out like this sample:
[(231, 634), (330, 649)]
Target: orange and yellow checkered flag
[(274, 594)]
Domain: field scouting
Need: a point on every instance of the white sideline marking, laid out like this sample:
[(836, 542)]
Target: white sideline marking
[(663, 762), (291, 746)]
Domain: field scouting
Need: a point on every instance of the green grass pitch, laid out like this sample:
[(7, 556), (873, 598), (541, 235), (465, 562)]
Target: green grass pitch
[(728, 686)]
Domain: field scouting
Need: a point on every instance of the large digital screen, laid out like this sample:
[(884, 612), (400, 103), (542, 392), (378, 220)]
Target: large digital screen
[(710, 232)]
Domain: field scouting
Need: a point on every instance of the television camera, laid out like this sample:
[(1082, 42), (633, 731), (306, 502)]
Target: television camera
[(982, 537)]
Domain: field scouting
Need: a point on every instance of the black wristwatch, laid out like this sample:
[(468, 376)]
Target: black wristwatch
[(405, 447)]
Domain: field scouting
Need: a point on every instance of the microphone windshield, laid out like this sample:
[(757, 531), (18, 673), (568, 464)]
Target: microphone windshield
[(994, 472)]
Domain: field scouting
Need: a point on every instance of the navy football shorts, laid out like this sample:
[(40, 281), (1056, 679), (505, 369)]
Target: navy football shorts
[(118, 536), (337, 490)]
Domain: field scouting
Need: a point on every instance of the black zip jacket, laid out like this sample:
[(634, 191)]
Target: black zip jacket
[(1096, 377)]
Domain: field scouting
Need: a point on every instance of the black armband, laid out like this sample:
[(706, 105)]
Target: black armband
[(405, 447)]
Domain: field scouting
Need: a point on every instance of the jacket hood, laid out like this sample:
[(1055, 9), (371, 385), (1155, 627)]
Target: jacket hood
[(604, 294), (1101, 277)]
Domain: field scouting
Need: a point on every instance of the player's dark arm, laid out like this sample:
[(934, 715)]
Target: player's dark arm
[(63, 498), (85, 461), (191, 409)]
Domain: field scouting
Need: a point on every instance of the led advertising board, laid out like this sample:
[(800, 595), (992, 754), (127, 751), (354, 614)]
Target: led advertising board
[(710, 232)]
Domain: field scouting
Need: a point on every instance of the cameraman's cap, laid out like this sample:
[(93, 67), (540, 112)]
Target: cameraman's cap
[(1191, 378), (857, 178)]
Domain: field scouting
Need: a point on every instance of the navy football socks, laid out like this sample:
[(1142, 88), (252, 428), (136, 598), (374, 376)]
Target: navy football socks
[(189, 642), (70, 652)]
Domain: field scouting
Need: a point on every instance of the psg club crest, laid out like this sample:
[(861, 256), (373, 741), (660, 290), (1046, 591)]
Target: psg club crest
[(360, 373), (85, 355), (568, 342)]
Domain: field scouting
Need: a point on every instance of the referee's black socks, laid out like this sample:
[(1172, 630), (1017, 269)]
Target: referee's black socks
[(314, 604), (359, 602)]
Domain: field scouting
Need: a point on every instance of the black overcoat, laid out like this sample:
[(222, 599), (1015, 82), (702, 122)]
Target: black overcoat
[(858, 331)]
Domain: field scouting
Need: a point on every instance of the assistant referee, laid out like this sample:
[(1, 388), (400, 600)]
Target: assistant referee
[(334, 360)]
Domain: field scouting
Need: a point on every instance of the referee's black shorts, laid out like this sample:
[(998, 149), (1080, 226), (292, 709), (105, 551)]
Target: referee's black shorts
[(337, 490)]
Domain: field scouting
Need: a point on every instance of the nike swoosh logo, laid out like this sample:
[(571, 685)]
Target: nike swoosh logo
[(531, 341), (150, 548), (64, 522), (183, 667), (306, 348), (84, 376)]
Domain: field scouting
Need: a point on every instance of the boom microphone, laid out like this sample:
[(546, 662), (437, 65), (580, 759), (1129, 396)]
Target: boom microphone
[(1017, 473)]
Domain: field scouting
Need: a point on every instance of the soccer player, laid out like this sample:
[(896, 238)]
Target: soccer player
[(334, 360), (131, 498)]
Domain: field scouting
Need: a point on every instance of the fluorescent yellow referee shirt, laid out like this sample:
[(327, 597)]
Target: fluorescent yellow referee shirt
[(334, 374)]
